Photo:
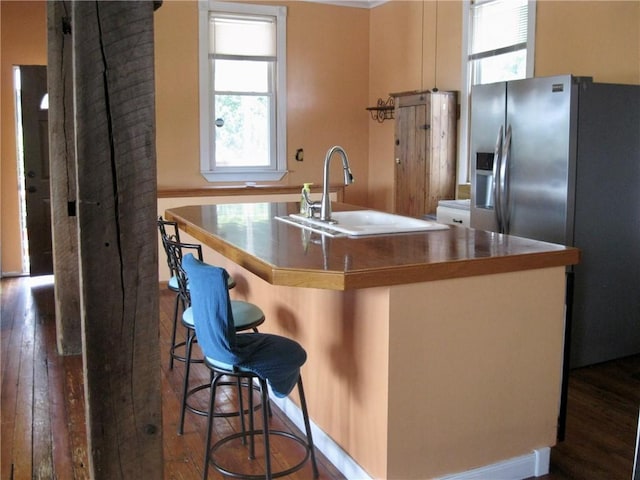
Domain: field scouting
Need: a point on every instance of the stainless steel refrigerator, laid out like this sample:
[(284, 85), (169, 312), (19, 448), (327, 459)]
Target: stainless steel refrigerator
[(557, 159)]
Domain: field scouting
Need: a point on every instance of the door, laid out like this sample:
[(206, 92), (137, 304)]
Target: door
[(412, 145), (36, 168), (539, 115), (606, 320), (488, 104)]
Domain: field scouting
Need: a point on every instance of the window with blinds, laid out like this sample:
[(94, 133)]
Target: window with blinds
[(499, 40), (242, 52), (242, 92)]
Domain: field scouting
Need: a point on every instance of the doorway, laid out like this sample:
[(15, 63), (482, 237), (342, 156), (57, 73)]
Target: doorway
[(32, 127)]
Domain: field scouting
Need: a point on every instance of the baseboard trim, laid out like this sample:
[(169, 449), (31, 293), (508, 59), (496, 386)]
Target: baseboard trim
[(534, 464)]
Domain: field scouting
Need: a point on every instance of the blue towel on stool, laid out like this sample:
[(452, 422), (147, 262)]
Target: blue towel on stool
[(275, 358)]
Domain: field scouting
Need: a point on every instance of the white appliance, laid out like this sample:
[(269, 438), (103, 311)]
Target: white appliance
[(454, 212)]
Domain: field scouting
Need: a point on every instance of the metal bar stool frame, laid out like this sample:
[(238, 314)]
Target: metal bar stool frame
[(188, 392), (175, 251), (174, 236), (217, 373), (165, 237)]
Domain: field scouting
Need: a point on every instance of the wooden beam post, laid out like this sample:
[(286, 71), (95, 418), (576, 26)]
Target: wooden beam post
[(115, 151), (62, 164)]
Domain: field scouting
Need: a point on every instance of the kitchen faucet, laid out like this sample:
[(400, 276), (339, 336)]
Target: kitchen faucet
[(325, 203)]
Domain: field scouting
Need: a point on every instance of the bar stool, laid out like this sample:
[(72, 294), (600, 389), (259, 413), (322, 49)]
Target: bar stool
[(169, 232), (172, 285), (247, 317), (264, 357)]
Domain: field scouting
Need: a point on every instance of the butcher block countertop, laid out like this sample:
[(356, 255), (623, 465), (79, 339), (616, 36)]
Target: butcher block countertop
[(283, 254)]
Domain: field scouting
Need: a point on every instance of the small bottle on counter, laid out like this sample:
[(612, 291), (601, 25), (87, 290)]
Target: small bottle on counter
[(304, 210)]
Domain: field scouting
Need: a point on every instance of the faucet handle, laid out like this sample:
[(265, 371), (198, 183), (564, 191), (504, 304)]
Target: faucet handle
[(312, 209)]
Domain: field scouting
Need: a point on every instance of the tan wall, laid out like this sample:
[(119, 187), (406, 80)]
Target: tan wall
[(404, 57), (597, 39), (589, 38), (484, 371), (327, 96), (23, 42), (340, 60), (327, 77)]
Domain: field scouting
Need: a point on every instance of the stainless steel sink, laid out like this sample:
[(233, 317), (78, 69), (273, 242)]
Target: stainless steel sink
[(363, 222)]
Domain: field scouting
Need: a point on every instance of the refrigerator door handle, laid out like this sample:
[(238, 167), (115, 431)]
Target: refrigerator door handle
[(504, 180), (497, 194)]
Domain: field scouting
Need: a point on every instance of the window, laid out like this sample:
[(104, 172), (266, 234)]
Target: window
[(499, 35), (242, 91), (498, 45)]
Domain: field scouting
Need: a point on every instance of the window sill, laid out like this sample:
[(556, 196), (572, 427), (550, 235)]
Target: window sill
[(244, 177), (236, 190)]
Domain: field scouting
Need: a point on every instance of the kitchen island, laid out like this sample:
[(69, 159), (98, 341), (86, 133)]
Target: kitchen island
[(429, 353)]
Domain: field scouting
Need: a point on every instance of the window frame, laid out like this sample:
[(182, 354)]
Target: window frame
[(464, 165), (278, 166)]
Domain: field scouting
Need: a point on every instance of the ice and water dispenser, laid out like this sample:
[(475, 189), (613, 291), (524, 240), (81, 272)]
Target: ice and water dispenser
[(484, 182)]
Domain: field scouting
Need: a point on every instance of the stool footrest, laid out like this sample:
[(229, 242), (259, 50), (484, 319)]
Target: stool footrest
[(182, 358), (240, 435), (204, 413)]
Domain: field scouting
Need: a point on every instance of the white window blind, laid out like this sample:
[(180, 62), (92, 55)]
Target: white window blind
[(498, 27), (246, 37)]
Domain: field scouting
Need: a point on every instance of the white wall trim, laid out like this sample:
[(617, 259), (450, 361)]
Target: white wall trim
[(464, 166), (534, 464)]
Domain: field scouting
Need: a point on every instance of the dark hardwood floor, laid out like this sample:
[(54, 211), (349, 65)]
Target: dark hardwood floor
[(42, 401), (602, 423)]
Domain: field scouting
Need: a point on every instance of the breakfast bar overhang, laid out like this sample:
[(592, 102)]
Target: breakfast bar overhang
[(429, 353)]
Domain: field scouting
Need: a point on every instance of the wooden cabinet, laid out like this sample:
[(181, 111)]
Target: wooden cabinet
[(425, 151)]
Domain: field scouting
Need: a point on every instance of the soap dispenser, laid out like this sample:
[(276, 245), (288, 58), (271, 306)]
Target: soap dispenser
[(304, 210)]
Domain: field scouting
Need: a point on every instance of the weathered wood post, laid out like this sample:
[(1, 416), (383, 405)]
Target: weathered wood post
[(62, 164), (116, 169)]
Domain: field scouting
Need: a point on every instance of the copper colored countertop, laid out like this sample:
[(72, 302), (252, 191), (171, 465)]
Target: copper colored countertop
[(283, 254)]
